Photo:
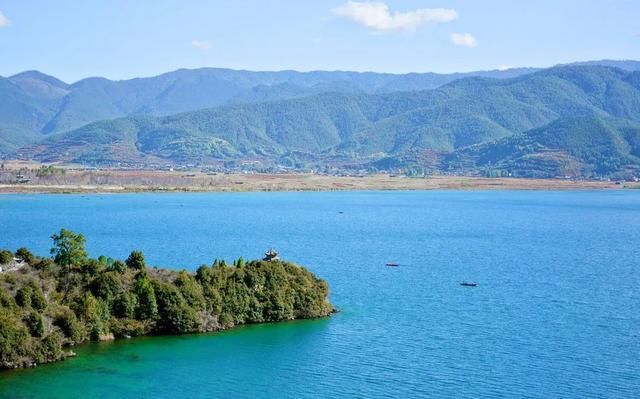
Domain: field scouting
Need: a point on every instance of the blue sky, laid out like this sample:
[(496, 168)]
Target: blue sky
[(122, 39)]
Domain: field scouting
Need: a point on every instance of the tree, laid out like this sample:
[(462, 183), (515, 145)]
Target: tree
[(26, 255), (35, 324), (23, 297), (147, 305), (38, 300), (6, 256), (68, 251), (136, 260), (118, 266)]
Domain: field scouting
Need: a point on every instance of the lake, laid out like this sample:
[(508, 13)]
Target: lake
[(556, 313)]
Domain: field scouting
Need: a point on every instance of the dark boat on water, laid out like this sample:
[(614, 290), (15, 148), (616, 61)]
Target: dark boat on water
[(465, 284), (392, 264)]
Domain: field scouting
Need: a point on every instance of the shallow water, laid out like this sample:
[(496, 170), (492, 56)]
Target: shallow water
[(556, 312)]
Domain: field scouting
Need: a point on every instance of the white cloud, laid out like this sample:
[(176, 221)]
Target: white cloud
[(464, 39), (376, 15), (201, 44), (4, 21), (505, 67)]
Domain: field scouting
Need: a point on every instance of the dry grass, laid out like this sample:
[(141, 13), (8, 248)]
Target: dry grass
[(136, 181)]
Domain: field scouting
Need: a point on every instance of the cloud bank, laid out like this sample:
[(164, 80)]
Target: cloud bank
[(201, 44), (4, 21), (464, 39), (376, 16)]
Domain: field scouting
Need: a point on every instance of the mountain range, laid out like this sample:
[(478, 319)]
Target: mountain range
[(579, 119)]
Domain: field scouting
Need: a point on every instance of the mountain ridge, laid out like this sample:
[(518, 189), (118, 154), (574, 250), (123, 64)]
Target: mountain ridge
[(370, 127), (286, 122)]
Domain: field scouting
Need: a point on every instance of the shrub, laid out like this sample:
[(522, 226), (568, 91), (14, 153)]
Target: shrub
[(125, 305), (24, 254), (23, 297), (6, 256), (68, 323), (35, 324), (118, 266), (50, 348), (147, 305), (136, 260)]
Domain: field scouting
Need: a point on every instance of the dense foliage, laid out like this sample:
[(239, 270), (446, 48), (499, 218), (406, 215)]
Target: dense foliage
[(34, 104), (476, 124), (51, 304)]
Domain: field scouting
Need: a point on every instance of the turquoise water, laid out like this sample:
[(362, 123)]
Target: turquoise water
[(556, 313)]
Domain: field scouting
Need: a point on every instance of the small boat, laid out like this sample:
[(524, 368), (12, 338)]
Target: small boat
[(392, 264), (465, 284)]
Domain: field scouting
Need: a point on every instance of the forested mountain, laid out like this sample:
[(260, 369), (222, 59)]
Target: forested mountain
[(578, 119), (566, 120), (33, 104)]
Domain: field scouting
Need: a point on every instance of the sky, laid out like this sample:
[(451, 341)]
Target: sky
[(122, 39)]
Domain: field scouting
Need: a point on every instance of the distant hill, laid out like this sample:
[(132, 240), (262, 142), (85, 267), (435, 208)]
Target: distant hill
[(33, 104), (576, 120), (568, 146)]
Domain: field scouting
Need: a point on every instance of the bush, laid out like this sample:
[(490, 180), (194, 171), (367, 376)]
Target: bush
[(14, 339), (68, 323), (90, 267), (136, 260), (23, 297), (127, 327), (43, 264), (38, 300), (35, 324), (50, 348), (147, 305), (6, 256), (125, 305), (106, 285), (118, 266), (24, 254), (89, 298)]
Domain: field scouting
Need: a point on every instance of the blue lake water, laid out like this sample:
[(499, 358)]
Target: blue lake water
[(556, 313)]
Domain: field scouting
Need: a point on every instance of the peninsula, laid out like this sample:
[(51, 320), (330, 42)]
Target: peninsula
[(48, 305)]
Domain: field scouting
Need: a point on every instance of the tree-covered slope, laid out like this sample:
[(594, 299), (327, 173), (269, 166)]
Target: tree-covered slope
[(569, 146), (49, 304), (33, 104), (27, 102), (461, 114)]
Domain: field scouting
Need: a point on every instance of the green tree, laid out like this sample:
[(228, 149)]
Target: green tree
[(35, 324), (106, 285), (26, 255), (136, 260), (118, 266), (6, 256), (14, 338), (125, 305), (69, 324), (51, 347), (38, 300), (23, 297), (68, 251), (147, 306)]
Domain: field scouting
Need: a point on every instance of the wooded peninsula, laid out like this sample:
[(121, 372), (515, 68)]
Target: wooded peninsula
[(50, 304)]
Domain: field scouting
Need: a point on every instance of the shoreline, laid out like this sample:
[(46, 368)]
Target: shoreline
[(48, 306), (82, 182)]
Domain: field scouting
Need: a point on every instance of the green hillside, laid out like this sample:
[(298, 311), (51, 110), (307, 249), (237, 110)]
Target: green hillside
[(571, 146), (33, 104), (473, 123)]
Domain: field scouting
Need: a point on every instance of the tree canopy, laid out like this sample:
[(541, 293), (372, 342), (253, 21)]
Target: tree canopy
[(70, 299)]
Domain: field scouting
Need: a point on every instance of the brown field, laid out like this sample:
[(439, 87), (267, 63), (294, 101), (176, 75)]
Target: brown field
[(115, 181)]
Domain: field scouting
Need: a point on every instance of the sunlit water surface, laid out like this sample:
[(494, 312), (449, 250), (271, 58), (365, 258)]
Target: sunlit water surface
[(556, 313)]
